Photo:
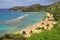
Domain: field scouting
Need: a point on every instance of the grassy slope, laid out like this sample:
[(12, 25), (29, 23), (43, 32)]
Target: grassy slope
[(53, 34)]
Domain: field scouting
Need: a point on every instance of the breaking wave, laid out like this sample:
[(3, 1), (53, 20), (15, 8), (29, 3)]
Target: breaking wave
[(16, 21)]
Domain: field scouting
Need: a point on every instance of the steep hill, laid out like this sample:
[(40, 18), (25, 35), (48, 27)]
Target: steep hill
[(31, 8), (55, 9)]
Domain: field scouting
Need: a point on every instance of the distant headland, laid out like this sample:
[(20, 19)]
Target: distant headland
[(36, 7)]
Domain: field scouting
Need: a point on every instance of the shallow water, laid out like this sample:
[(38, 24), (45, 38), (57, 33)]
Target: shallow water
[(11, 21)]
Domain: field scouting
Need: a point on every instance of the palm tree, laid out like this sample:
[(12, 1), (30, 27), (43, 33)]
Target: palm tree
[(42, 22), (47, 25), (24, 32), (47, 16), (31, 31)]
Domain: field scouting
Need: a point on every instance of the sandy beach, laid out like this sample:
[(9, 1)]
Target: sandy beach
[(46, 23)]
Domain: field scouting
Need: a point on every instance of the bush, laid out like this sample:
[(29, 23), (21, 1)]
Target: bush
[(13, 37), (38, 28)]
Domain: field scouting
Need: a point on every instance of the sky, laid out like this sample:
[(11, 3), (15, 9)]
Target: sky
[(12, 3)]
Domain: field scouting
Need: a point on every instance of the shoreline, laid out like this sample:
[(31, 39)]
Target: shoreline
[(46, 20)]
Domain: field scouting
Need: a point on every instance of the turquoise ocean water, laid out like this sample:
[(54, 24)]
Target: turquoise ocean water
[(11, 21)]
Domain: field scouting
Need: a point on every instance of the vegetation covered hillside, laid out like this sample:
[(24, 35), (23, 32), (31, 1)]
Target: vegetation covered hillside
[(55, 10)]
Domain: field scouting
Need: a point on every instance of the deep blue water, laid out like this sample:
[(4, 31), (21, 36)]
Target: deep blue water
[(11, 21)]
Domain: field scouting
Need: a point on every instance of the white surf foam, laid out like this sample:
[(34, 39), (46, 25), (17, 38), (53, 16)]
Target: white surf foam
[(15, 21)]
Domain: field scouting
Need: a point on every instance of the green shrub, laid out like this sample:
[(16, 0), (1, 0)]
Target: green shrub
[(38, 28)]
